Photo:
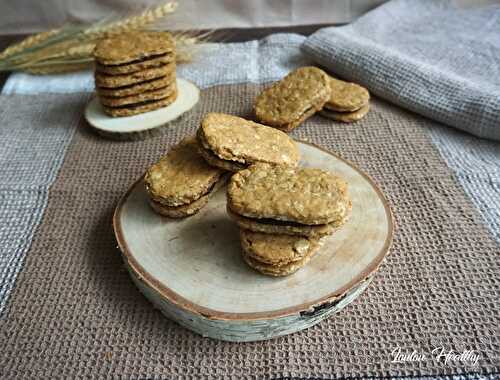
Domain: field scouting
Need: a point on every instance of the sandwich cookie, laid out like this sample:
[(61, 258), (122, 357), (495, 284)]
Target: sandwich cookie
[(128, 68), (288, 200), (161, 93), (346, 117), (346, 96), (180, 183), (277, 227), (276, 255), (233, 143), (113, 81), (287, 103), (138, 88), (133, 48), (349, 102), (141, 107)]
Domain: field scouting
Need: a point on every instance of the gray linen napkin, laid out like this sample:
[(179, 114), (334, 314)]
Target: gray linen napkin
[(431, 57)]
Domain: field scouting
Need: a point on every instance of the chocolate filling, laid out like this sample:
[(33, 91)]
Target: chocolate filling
[(209, 189), (275, 222), (127, 96), (139, 60), (201, 139), (140, 104), (133, 84)]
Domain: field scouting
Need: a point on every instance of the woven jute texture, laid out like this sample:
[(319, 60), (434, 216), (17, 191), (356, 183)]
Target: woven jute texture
[(74, 312)]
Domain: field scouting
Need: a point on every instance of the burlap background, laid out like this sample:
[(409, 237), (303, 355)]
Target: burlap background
[(75, 312)]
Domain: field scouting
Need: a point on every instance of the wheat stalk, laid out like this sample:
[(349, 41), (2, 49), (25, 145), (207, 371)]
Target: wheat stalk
[(54, 62), (28, 43), (79, 51), (60, 50), (141, 21), (55, 50), (68, 50), (186, 44)]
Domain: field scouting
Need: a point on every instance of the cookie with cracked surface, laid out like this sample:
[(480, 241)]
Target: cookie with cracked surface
[(270, 226), (243, 142), (279, 270), (158, 94), (137, 108), (132, 47), (127, 68), (181, 177), (138, 88), (274, 249), (293, 99), (113, 81), (299, 195), (346, 117), (346, 96)]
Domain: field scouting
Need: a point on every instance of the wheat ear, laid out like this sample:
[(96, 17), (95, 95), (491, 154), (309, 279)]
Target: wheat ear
[(146, 18), (28, 43)]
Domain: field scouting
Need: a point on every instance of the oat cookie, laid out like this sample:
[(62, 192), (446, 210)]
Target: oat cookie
[(293, 99), (269, 226), (138, 108), (180, 211), (128, 68), (138, 88), (278, 270), (235, 139), (112, 81), (276, 249), (132, 47), (346, 117), (158, 94), (188, 209), (346, 96), (300, 195), (182, 176)]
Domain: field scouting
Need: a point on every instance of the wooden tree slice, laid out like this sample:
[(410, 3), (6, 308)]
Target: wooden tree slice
[(145, 125), (192, 269)]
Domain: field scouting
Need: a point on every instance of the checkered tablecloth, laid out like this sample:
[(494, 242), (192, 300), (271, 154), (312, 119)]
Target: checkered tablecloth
[(68, 309)]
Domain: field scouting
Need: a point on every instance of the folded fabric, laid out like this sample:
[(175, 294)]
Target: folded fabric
[(431, 57)]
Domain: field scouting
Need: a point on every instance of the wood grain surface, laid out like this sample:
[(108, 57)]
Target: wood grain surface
[(193, 271)]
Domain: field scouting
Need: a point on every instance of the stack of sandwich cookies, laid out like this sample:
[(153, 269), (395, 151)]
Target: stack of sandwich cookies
[(233, 143), (135, 72), (283, 212), (276, 255), (348, 102), (180, 183), (287, 103)]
